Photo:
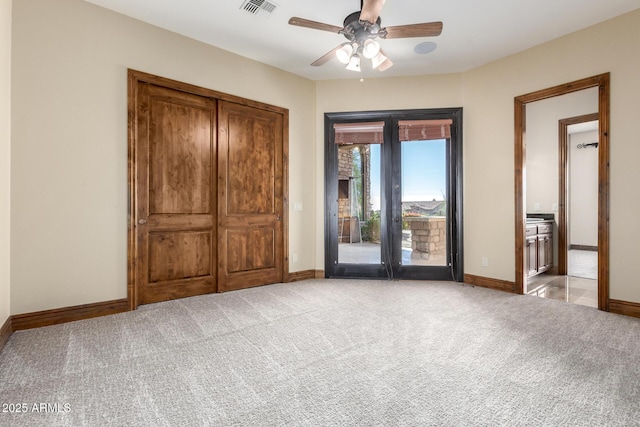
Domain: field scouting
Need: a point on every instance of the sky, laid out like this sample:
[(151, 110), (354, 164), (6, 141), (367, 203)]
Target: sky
[(423, 171)]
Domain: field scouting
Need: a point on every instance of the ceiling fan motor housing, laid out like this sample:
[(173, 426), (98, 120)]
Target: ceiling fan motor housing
[(358, 32)]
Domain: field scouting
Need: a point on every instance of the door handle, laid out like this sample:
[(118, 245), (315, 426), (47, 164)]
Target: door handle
[(396, 219), (142, 221)]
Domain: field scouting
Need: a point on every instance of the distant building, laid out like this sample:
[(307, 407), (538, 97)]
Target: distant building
[(428, 208)]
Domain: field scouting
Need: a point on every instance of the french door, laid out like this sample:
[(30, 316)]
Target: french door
[(393, 193)]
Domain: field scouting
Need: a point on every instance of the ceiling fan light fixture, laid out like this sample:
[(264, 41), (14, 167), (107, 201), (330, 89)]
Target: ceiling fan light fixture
[(354, 63), (377, 60), (344, 53), (362, 29), (370, 49)]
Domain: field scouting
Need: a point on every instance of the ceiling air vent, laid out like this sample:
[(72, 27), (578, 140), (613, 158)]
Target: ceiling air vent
[(258, 7)]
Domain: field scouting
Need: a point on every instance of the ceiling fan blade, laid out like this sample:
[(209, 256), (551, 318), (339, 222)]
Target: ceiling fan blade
[(371, 10), (386, 64), (326, 57), (301, 22), (427, 29)]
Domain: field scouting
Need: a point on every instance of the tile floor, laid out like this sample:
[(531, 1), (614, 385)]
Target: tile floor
[(580, 287), (574, 290)]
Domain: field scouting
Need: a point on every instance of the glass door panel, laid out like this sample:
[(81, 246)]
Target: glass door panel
[(424, 202), (359, 204), (393, 195)]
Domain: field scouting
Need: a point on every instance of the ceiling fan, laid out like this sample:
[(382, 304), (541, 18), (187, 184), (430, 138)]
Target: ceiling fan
[(361, 29)]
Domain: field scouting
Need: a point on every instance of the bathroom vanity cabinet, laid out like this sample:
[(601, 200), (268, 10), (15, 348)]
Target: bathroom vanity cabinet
[(538, 247)]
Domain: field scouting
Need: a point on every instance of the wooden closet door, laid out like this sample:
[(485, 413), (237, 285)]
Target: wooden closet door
[(250, 196), (175, 194)]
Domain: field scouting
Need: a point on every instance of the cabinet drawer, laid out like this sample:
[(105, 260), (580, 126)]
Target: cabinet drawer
[(545, 228), (531, 230)]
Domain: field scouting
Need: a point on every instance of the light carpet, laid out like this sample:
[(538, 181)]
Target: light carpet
[(332, 353)]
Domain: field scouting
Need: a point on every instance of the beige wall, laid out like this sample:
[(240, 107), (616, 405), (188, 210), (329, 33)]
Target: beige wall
[(487, 96), (583, 190), (5, 157), (612, 46), (69, 155), (69, 112)]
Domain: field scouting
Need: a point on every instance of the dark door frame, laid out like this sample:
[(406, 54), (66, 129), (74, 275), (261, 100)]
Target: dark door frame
[(455, 270), (563, 193), (602, 82)]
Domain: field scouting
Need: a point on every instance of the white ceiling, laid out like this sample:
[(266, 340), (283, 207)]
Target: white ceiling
[(475, 32)]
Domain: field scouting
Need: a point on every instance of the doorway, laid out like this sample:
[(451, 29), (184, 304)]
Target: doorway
[(581, 195), (573, 278), (523, 248), (393, 194)]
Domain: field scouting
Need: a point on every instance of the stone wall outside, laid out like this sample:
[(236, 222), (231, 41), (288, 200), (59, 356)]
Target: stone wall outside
[(428, 237)]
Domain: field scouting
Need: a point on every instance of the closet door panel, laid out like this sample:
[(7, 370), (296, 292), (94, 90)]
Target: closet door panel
[(175, 210), (250, 196)]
